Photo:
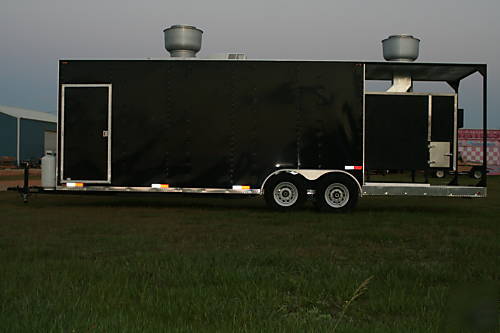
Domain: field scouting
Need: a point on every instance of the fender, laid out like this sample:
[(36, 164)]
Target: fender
[(309, 174)]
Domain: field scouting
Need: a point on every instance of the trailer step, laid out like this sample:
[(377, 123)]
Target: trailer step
[(403, 189)]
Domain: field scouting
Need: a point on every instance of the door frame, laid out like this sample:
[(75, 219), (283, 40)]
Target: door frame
[(454, 142), (86, 85)]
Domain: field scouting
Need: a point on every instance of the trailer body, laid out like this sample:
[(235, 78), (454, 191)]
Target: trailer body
[(232, 126), (206, 124)]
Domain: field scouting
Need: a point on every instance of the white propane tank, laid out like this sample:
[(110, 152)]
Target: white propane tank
[(49, 170)]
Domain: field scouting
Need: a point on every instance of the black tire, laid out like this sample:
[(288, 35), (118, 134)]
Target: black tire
[(285, 192), (336, 193), (476, 173)]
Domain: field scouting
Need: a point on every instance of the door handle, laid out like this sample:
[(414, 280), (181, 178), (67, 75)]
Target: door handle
[(105, 134)]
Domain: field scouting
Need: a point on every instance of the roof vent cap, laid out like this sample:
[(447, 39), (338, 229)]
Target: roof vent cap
[(402, 48), (183, 40)]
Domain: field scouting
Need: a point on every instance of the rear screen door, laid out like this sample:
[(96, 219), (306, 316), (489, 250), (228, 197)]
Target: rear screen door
[(86, 133), (396, 132)]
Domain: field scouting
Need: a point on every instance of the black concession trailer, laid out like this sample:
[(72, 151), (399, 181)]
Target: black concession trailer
[(282, 129)]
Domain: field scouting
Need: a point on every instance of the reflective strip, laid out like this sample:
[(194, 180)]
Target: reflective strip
[(160, 186), (241, 187), (74, 184), (353, 167)]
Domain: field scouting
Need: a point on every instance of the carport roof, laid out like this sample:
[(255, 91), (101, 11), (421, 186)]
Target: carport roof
[(28, 114), (423, 71)]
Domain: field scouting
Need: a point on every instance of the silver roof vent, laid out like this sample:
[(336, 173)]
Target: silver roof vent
[(400, 48), (227, 56), (182, 40)]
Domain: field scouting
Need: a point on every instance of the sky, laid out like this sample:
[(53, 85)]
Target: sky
[(35, 34)]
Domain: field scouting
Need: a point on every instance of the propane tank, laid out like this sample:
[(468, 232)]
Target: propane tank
[(49, 170)]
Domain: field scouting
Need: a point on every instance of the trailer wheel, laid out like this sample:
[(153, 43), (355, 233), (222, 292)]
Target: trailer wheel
[(336, 193), (285, 192), (440, 173), (476, 173)]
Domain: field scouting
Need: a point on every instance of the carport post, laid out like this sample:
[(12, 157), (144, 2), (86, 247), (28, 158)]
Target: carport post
[(485, 127), (18, 141)]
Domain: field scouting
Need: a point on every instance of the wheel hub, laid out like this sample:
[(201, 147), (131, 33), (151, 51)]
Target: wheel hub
[(337, 195), (285, 194)]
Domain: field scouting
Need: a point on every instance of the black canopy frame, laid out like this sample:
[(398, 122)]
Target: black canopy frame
[(450, 73)]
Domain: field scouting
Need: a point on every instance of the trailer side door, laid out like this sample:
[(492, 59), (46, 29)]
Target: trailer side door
[(85, 139)]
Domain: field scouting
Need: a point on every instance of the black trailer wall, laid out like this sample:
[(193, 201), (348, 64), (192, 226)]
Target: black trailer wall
[(200, 123)]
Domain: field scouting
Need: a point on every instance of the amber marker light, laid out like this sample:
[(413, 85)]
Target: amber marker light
[(160, 186), (241, 187), (74, 184)]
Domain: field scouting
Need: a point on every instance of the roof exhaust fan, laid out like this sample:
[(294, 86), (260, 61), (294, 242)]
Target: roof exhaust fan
[(183, 40), (401, 48)]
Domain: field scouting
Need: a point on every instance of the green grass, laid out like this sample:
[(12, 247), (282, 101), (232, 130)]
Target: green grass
[(156, 264), (19, 177)]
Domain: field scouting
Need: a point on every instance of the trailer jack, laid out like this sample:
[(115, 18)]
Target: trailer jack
[(25, 190)]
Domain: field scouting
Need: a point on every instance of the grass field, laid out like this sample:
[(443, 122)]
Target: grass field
[(158, 264)]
